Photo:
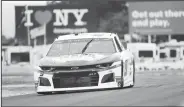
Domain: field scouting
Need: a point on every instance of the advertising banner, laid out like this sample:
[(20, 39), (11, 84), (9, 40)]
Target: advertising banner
[(156, 17), (57, 20)]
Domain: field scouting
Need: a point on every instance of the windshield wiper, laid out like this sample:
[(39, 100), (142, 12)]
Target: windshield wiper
[(86, 46)]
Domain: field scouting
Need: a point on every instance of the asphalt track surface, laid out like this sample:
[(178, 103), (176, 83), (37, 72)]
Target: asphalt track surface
[(150, 90)]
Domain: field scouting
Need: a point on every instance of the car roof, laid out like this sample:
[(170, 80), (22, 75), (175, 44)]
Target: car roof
[(86, 35)]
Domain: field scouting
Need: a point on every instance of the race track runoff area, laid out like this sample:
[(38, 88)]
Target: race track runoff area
[(153, 88)]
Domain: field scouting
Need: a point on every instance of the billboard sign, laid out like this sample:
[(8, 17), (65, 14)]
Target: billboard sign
[(57, 19), (156, 17)]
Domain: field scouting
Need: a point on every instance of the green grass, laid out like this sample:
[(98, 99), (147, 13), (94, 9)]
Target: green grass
[(19, 88), (17, 71), (13, 80), (12, 75)]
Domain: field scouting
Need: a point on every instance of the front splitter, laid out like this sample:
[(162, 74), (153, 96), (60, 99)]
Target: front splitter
[(101, 86)]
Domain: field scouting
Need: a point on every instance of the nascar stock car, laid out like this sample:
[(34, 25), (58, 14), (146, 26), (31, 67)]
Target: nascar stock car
[(85, 61)]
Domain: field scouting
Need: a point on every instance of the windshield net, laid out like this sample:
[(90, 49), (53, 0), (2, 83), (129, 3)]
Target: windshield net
[(69, 47)]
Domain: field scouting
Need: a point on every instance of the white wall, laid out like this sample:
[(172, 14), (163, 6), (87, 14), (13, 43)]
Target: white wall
[(35, 53), (15, 49)]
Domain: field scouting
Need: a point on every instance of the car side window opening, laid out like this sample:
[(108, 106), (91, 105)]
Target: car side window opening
[(118, 45)]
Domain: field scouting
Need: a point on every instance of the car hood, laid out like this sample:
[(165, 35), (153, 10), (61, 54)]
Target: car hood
[(79, 59)]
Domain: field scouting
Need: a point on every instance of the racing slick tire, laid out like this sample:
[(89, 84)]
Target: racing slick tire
[(133, 75), (121, 82)]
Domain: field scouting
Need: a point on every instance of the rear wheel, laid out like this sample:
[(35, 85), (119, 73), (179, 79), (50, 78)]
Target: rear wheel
[(133, 74)]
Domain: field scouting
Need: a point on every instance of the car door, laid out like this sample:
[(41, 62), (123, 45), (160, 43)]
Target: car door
[(127, 59)]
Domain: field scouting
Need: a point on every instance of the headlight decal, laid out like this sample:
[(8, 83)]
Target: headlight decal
[(47, 69), (116, 64), (113, 65)]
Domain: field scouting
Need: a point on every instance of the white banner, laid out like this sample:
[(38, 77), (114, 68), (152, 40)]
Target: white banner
[(39, 31)]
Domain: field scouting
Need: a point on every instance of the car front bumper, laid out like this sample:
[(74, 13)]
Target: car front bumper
[(100, 85)]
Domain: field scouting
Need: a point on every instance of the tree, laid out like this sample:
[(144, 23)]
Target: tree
[(8, 41), (4, 40), (115, 22)]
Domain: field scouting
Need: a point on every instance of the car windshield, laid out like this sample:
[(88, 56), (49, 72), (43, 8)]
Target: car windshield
[(76, 46)]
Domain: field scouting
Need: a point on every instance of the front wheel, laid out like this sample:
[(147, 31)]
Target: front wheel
[(121, 82)]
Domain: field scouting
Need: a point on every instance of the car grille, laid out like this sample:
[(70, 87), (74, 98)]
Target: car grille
[(75, 79)]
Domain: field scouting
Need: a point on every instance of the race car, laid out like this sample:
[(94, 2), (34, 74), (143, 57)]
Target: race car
[(85, 61)]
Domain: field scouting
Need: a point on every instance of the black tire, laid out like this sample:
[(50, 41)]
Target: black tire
[(121, 82), (133, 74), (44, 93)]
